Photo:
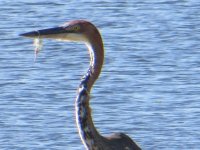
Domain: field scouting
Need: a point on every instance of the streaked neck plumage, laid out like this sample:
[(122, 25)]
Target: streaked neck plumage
[(87, 131)]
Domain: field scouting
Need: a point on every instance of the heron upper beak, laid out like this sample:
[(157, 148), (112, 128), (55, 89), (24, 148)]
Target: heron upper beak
[(45, 33)]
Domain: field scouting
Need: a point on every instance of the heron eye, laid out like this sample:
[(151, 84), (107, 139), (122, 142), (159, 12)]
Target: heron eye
[(72, 28), (76, 28)]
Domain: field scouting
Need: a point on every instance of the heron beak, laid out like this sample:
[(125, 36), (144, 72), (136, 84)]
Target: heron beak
[(45, 33)]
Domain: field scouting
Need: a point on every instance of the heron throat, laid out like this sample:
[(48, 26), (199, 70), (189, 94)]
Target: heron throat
[(87, 131)]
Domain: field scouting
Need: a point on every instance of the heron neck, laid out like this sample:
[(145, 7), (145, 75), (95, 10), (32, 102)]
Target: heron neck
[(96, 52), (87, 131)]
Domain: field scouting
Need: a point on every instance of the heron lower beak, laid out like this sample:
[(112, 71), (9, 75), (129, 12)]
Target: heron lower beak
[(45, 33)]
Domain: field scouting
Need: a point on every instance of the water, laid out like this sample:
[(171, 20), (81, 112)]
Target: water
[(149, 87)]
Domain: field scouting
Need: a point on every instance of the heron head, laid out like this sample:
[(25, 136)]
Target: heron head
[(78, 30)]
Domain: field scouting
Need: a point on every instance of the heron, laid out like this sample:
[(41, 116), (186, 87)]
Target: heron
[(86, 32)]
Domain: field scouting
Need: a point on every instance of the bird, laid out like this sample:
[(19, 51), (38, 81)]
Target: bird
[(86, 32)]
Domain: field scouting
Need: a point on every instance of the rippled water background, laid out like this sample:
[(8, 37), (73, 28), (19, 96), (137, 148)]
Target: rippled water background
[(149, 87)]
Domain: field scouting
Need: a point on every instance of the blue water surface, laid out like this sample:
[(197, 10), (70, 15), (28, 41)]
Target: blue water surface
[(149, 87)]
